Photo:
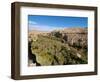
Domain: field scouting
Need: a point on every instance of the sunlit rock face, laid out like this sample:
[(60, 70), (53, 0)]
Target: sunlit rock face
[(74, 35)]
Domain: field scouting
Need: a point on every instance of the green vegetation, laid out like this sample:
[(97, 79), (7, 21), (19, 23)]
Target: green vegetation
[(52, 50)]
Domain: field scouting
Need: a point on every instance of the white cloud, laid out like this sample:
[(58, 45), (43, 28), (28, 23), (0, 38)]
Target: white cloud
[(32, 25), (43, 27), (32, 22)]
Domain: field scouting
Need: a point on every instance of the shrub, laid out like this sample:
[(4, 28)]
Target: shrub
[(58, 34), (44, 59)]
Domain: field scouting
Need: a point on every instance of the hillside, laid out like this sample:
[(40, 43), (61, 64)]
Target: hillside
[(59, 47)]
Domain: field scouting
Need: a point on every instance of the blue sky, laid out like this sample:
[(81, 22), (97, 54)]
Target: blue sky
[(49, 23)]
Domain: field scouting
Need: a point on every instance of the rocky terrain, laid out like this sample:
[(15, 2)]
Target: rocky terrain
[(59, 47)]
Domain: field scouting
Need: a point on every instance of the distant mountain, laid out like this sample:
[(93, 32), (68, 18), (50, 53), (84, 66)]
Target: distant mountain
[(37, 32), (72, 30), (65, 30)]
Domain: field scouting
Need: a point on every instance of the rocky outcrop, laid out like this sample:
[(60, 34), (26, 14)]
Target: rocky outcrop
[(73, 35)]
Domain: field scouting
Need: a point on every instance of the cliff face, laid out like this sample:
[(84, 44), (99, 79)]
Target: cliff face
[(73, 35)]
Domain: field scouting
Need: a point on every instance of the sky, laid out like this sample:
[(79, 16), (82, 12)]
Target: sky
[(49, 23)]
